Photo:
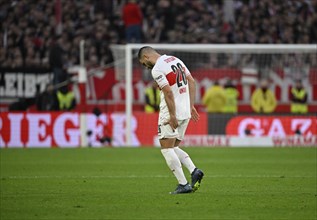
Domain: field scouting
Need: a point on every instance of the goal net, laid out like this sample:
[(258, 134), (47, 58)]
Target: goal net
[(244, 65)]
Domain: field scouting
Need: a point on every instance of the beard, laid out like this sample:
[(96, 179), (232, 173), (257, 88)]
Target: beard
[(149, 65)]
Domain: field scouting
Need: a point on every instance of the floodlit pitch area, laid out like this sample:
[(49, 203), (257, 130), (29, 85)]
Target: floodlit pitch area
[(125, 183)]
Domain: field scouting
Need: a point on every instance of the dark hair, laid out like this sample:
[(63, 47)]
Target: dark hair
[(142, 50)]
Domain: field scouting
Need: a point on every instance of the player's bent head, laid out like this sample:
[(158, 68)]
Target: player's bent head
[(145, 51)]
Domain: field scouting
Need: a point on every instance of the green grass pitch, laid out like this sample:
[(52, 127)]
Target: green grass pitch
[(134, 183)]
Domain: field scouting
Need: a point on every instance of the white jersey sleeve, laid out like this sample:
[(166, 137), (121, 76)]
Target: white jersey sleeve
[(159, 78)]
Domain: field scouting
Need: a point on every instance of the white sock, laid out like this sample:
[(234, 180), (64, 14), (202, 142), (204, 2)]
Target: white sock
[(185, 159), (174, 164)]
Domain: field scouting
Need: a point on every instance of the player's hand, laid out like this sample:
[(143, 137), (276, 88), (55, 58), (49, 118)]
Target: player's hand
[(172, 122), (195, 115)]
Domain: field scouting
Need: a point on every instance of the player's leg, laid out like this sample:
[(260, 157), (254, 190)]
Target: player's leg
[(196, 174), (167, 141), (172, 160), (182, 155)]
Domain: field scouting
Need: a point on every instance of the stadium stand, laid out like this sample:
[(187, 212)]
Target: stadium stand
[(28, 28)]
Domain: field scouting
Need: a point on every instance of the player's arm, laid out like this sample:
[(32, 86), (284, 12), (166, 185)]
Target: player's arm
[(192, 93), (169, 99), (162, 82)]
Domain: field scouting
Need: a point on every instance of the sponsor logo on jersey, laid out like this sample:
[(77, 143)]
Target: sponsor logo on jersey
[(159, 77)]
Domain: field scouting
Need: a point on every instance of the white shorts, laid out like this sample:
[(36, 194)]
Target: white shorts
[(166, 131)]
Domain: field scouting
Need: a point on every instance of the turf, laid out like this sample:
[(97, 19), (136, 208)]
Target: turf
[(134, 183)]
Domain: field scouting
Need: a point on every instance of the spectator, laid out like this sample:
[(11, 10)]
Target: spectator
[(152, 98), (132, 18), (47, 101), (66, 99), (232, 95), (57, 61), (299, 99), (215, 99), (263, 99)]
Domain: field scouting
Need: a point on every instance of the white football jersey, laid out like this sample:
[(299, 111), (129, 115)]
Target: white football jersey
[(170, 70)]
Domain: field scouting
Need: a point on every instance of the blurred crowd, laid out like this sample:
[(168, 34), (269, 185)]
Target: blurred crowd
[(265, 21), (30, 37)]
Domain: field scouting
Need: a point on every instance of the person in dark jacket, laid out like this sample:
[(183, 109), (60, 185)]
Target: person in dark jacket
[(47, 101), (56, 60)]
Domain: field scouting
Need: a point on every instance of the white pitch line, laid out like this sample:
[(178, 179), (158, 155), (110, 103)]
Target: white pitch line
[(153, 176)]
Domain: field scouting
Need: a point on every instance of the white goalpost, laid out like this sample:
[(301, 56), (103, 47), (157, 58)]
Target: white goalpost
[(251, 60)]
